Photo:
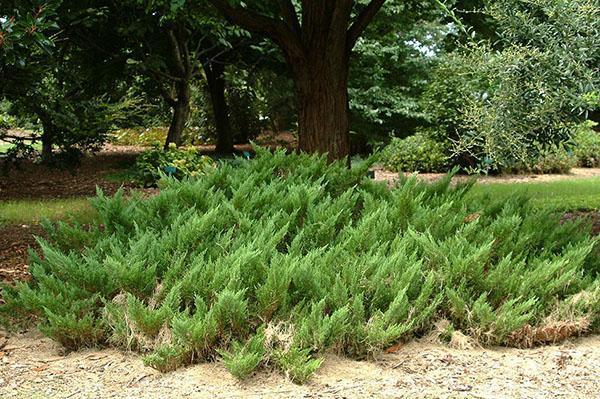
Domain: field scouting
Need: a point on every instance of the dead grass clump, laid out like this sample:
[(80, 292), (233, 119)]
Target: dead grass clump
[(549, 333)]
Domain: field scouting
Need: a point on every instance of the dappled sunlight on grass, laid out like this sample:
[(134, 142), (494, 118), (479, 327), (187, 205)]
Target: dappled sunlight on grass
[(34, 211)]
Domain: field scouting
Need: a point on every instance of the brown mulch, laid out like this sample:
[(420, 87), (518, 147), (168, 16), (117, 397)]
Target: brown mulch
[(593, 216), (15, 240)]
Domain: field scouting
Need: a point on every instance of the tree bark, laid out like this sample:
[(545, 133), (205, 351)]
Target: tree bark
[(322, 99), (216, 85), (181, 113)]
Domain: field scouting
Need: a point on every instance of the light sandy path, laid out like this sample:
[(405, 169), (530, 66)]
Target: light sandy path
[(576, 173), (33, 367)]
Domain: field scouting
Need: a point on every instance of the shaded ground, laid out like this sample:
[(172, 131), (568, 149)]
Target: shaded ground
[(34, 367), (33, 181)]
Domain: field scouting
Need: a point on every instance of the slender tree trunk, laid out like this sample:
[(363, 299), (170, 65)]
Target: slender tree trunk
[(181, 114), (216, 86), (48, 138)]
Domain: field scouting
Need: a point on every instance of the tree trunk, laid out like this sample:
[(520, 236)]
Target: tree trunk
[(216, 86), (323, 115), (48, 137), (181, 114)]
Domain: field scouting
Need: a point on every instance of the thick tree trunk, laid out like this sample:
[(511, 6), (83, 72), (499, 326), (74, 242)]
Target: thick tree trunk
[(323, 113), (216, 86), (181, 114)]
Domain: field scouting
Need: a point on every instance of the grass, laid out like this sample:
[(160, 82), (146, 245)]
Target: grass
[(5, 146), (34, 211), (563, 195)]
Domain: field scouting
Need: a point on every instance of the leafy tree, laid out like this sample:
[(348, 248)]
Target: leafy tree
[(317, 38), (175, 43), (73, 90), (391, 68), (24, 31), (507, 102)]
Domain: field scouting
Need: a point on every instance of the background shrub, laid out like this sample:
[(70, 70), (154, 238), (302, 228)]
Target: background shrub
[(140, 136), (587, 145), (418, 153), (154, 164)]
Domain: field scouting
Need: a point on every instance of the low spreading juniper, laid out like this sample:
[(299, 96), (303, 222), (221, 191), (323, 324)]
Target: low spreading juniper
[(273, 262)]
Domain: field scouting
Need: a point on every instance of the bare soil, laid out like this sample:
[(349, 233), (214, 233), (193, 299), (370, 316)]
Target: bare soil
[(35, 367)]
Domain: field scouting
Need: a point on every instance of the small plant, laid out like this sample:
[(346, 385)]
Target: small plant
[(297, 364), (587, 144), (175, 162), (418, 153), (245, 358)]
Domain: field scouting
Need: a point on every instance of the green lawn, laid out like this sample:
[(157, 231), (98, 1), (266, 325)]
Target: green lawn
[(576, 194), (582, 194), (33, 211)]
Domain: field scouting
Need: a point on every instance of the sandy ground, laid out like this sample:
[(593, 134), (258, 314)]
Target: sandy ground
[(34, 367), (576, 173)]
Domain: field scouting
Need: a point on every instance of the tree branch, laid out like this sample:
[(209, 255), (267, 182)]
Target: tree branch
[(362, 21), (247, 19), (168, 96), (278, 31), (176, 53)]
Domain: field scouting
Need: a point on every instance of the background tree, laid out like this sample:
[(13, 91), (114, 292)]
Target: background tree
[(71, 89), (391, 67), (507, 102), (317, 38)]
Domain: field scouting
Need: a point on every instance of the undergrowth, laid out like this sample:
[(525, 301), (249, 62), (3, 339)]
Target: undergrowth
[(275, 261)]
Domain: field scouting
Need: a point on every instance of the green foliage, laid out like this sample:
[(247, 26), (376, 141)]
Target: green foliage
[(505, 103), (390, 69), (297, 364), (587, 144), (154, 164), (282, 258), (553, 159), (418, 153)]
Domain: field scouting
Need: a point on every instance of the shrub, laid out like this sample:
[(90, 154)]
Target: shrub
[(545, 160), (156, 163), (556, 159), (418, 153), (282, 258), (587, 145)]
